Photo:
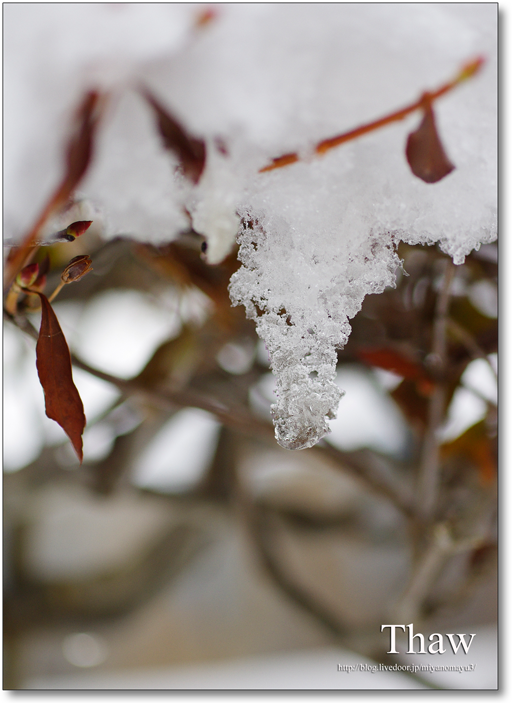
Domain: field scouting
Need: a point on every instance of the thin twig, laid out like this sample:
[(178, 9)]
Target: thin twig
[(58, 288)]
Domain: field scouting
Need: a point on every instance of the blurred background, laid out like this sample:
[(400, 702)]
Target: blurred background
[(189, 550)]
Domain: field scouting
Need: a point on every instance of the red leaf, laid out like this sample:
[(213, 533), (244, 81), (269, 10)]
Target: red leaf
[(391, 360), (424, 150), (62, 401), (190, 151)]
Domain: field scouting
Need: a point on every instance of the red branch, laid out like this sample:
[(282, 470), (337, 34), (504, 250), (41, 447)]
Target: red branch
[(467, 71)]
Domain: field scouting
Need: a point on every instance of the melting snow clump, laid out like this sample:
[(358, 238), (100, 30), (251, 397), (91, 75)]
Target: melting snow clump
[(302, 305), (254, 82)]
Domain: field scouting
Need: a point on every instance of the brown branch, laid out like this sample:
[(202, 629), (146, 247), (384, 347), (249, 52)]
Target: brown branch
[(441, 547), (261, 532), (423, 576), (111, 594), (361, 465), (364, 465), (467, 71), (361, 639)]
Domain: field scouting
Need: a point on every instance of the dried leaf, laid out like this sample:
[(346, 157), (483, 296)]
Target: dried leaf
[(190, 151), (77, 267), (424, 150), (62, 401)]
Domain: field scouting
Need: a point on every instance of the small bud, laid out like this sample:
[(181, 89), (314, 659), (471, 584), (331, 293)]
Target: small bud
[(76, 229), (39, 283), (205, 17), (76, 268), (470, 69), (28, 275)]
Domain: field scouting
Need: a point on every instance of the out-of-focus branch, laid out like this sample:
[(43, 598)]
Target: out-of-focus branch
[(359, 639), (486, 556), (111, 594), (260, 530), (363, 465), (22, 323), (441, 547), (428, 479), (368, 468)]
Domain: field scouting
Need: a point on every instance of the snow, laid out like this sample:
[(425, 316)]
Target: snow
[(263, 80)]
